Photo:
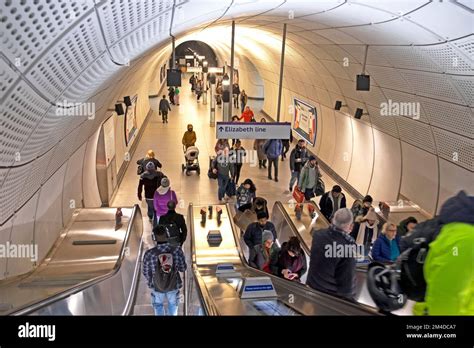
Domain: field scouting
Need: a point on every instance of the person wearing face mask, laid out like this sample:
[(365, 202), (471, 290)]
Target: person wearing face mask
[(298, 158), (189, 137), (253, 233), (309, 178)]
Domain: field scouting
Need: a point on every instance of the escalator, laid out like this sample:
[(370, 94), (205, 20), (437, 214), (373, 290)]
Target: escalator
[(287, 225), (110, 293), (230, 293)]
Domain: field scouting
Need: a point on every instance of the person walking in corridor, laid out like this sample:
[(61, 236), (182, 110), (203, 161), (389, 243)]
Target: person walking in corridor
[(273, 148), (176, 95), (243, 100), (164, 108)]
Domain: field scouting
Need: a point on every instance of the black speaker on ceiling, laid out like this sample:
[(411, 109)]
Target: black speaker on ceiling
[(363, 83), (127, 101), (338, 105), (358, 114), (119, 109)]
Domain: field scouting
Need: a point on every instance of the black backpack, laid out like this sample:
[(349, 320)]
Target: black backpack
[(166, 275), (173, 233), (412, 259)]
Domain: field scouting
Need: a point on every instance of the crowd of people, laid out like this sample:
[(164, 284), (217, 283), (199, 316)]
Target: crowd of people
[(381, 241)]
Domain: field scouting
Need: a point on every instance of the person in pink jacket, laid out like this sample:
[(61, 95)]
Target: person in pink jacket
[(163, 195)]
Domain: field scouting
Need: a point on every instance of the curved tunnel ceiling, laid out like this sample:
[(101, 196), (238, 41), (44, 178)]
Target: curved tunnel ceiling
[(57, 52)]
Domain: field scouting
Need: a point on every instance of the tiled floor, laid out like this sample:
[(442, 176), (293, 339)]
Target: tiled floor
[(165, 140)]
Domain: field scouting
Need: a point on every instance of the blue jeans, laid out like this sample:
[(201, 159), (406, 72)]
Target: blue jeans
[(295, 177), (158, 300), (222, 182), (151, 210), (242, 107), (308, 194)]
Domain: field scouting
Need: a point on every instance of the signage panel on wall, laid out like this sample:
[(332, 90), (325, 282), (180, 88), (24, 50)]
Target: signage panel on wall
[(253, 130), (305, 120), (130, 122)]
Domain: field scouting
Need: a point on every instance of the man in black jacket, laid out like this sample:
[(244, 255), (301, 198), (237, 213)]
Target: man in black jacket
[(298, 158), (164, 108), (332, 263), (151, 180), (332, 201), (173, 217), (254, 231)]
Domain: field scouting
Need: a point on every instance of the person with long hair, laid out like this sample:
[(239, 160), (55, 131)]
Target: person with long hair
[(245, 195)]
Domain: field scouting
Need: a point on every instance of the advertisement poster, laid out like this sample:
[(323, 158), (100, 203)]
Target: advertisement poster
[(109, 139), (305, 120), (130, 120)]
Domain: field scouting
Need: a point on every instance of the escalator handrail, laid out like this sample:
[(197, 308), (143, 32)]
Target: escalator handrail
[(29, 308), (208, 306), (291, 284)]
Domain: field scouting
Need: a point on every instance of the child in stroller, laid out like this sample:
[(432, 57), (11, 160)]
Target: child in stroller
[(191, 155)]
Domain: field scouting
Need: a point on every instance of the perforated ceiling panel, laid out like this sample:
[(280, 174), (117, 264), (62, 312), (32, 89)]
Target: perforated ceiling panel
[(30, 26), (21, 113), (455, 148)]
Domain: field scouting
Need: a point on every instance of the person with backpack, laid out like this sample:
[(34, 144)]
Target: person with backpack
[(149, 157), (150, 180), (245, 195), (272, 150), (444, 283), (161, 267), (298, 158), (163, 108), (309, 178), (161, 197), (174, 225)]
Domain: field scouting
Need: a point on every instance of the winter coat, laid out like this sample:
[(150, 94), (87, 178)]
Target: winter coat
[(258, 145), (164, 106), (449, 279), (298, 158), (334, 275), (381, 251), (160, 201), (247, 115), (295, 264), (143, 162), (189, 138), (258, 258), (273, 148), (304, 182), (326, 204), (244, 98), (236, 89), (151, 181), (253, 233), (173, 217)]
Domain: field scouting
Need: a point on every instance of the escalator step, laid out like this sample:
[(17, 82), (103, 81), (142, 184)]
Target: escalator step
[(94, 242)]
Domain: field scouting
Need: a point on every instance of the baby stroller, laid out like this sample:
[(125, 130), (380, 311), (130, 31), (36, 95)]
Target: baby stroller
[(191, 155)]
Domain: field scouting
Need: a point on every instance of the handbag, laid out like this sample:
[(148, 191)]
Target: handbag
[(320, 188), (230, 190), (298, 195)]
